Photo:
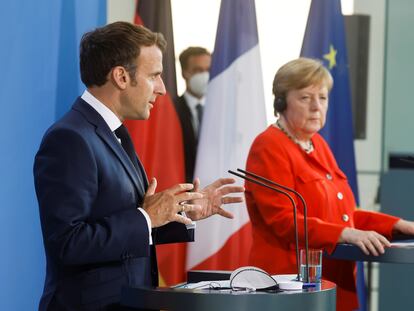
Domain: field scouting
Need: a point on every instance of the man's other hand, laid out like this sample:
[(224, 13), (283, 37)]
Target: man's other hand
[(214, 196)]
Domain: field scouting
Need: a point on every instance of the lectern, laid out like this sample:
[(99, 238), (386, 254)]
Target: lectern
[(322, 297)]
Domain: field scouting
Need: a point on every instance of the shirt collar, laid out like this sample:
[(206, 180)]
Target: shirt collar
[(110, 118), (192, 101)]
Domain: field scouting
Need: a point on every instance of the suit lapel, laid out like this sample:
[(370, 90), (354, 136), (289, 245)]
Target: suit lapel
[(143, 174), (116, 147), (104, 132)]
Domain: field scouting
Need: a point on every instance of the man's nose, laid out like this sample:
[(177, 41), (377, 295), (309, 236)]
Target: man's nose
[(160, 87)]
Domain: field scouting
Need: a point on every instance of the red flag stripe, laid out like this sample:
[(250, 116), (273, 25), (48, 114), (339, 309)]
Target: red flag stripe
[(158, 141)]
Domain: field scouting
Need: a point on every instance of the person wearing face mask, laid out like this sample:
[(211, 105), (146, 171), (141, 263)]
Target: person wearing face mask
[(195, 65)]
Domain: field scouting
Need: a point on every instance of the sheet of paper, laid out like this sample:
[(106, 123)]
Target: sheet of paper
[(403, 244), (206, 285), (284, 277), (280, 278)]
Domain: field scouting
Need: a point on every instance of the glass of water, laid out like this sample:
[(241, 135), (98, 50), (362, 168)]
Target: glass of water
[(315, 265)]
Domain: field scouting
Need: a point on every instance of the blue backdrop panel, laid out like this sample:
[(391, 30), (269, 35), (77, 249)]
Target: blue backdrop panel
[(40, 80)]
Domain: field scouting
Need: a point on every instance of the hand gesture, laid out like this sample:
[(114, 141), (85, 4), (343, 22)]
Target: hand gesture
[(370, 242), (214, 196), (163, 207)]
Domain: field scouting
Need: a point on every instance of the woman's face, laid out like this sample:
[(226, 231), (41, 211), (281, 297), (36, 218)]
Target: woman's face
[(306, 110)]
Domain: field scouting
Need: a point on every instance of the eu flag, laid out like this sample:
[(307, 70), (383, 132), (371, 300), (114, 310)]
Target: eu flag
[(325, 40)]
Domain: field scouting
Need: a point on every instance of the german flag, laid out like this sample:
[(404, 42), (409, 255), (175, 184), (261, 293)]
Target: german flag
[(158, 141)]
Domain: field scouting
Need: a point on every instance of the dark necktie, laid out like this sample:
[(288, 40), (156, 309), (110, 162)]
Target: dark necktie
[(199, 109), (126, 142)]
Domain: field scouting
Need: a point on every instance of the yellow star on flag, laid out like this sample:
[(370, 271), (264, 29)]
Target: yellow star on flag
[(331, 56)]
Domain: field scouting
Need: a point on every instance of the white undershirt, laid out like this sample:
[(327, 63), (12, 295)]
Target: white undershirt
[(113, 122)]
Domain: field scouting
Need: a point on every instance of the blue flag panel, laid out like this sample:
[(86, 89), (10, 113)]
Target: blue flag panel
[(325, 40), (237, 30)]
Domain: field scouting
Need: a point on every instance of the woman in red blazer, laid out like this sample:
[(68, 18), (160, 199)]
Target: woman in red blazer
[(292, 153)]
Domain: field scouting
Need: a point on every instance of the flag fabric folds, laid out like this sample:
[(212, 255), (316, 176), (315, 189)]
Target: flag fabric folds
[(158, 140), (234, 115), (325, 40)]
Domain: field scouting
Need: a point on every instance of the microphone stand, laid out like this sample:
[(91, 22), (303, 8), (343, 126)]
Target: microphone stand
[(294, 215), (305, 211)]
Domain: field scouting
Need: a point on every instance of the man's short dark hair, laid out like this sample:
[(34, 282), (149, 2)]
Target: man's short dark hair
[(116, 44), (191, 51)]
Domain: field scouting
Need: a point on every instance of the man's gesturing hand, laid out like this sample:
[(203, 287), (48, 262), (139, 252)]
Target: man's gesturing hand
[(162, 207), (214, 196)]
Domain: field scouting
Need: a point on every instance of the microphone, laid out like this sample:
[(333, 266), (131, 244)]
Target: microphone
[(259, 180)]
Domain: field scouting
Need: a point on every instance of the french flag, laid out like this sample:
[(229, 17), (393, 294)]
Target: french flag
[(234, 115)]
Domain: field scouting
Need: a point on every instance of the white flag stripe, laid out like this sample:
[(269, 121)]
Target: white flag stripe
[(234, 116)]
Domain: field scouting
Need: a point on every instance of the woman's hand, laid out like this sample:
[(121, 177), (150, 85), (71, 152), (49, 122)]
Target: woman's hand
[(404, 227), (370, 242)]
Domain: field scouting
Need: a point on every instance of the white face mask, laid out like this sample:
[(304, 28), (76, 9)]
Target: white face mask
[(198, 83)]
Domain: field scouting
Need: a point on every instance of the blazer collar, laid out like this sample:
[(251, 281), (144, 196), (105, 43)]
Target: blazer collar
[(104, 132)]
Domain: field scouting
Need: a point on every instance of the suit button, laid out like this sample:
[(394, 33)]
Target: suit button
[(125, 256), (340, 196), (328, 176), (345, 217)]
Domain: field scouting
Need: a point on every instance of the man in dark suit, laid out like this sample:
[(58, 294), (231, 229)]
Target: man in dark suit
[(195, 65), (100, 217)]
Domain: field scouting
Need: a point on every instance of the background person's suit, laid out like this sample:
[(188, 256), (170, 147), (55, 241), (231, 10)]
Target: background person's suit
[(190, 137), (88, 191)]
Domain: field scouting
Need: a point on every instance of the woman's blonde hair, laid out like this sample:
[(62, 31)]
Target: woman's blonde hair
[(298, 74)]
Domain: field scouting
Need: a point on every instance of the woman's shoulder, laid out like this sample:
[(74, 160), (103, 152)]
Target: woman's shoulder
[(273, 143), (271, 135)]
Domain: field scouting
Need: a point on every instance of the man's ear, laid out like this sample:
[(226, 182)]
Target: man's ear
[(120, 77), (185, 74)]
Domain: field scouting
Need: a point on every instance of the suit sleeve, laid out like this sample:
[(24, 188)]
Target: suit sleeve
[(67, 185), (267, 158), (173, 232)]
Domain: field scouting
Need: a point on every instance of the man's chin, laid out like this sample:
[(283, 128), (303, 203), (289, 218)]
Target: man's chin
[(146, 116), (140, 116)]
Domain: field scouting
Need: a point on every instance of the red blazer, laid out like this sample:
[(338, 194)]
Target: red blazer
[(331, 208)]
